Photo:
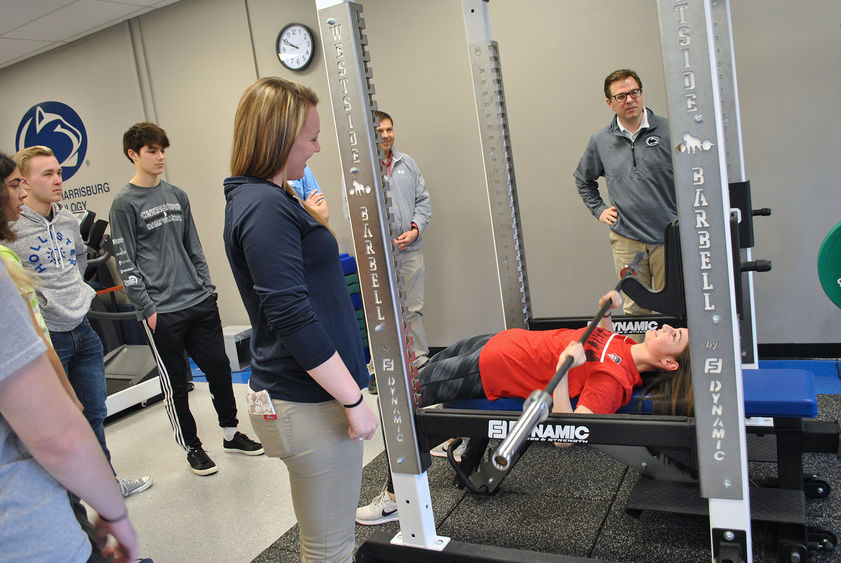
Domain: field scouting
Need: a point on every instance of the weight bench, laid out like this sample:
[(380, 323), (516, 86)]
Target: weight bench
[(777, 402), (769, 394)]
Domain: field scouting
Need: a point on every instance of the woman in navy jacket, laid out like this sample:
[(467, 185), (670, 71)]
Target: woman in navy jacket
[(306, 348)]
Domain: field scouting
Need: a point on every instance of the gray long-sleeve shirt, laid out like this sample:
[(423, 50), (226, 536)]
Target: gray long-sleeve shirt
[(157, 249), (640, 181)]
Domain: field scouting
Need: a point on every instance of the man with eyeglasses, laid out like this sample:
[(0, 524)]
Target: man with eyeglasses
[(632, 154)]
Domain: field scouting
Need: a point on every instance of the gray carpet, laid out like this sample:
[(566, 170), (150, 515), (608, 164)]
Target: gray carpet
[(572, 502)]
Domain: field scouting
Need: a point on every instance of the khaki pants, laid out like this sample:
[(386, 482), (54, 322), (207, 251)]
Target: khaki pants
[(652, 268), (325, 472), (410, 268)]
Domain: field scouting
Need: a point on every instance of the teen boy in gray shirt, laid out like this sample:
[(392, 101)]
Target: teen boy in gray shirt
[(160, 260)]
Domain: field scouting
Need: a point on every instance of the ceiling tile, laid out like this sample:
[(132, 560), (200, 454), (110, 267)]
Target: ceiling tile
[(139, 3), (31, 27), (14, 49), (72, 20), (16, 13)]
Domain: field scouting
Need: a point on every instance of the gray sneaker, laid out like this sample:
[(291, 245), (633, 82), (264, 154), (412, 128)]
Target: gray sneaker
[(133, 486)]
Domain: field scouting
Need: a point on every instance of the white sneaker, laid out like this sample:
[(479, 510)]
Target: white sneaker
[(133, 486), (381, 510), (441, 450)]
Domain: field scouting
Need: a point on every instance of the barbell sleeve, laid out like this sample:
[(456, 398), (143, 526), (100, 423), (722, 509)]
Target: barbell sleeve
[(535, 410)]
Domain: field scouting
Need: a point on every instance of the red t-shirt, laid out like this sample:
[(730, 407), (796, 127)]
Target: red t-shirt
[(515, 362)]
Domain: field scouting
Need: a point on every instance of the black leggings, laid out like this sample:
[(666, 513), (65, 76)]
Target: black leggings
[(450, 375), (453, 373)]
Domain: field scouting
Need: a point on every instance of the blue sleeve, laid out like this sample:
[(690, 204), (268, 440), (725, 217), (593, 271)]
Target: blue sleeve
[(309, 184)]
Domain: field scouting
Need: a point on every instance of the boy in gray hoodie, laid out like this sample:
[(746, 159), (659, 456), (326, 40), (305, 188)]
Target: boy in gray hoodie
[(51, 249)]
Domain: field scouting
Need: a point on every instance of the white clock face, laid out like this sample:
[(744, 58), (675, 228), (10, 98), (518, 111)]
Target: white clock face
[(295, 47)]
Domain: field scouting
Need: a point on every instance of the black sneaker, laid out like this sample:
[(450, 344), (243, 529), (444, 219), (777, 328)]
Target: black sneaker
[(242, 444), (200, 462)]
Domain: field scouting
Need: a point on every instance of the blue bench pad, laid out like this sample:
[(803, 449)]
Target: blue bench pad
[(768, 392)]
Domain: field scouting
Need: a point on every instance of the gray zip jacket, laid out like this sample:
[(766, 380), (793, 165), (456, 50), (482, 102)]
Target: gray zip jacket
[(157, 249), (54, 253), (409, 197), (640, 181)]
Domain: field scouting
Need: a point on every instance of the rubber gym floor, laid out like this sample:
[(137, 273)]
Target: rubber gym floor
[(572, 502)]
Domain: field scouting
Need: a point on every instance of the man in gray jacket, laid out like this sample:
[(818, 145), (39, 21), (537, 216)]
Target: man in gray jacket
[(51, 249), (162, 265), (633, 155), (412, 210)]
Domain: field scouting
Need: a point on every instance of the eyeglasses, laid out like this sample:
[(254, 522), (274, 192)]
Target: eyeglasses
[(633, 94)]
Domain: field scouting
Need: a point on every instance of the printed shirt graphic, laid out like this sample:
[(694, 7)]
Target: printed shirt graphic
[(157, 249), (55, 248), (515, 362), (54, 255)]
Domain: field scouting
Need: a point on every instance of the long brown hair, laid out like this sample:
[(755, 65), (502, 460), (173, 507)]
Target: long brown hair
[(670, 392), (16, 272), (270, 116), (7, 167)]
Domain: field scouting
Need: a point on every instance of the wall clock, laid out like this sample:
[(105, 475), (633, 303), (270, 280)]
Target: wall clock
[(295, 46)]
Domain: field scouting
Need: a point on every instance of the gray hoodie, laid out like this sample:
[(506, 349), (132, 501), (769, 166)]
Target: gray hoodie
[(55, 255)]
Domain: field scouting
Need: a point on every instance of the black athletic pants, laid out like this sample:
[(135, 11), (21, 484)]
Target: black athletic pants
[(198, 330), (450, 375)]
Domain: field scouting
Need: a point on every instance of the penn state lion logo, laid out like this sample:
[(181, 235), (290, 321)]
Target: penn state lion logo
[(58, 126)]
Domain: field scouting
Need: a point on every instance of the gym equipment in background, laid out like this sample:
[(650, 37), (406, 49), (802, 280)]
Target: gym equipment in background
[(131, 375)]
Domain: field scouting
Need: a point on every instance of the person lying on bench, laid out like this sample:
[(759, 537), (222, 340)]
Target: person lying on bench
[(515, 362)]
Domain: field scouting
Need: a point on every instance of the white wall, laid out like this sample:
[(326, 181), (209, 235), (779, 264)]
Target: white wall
[(554, 67), (789, 55), (197, 56), (96, 77)]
